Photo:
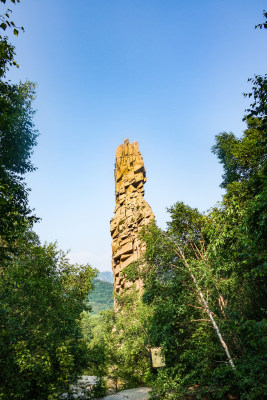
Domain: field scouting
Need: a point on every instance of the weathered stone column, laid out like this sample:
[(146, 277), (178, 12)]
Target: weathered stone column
[(131, 212)]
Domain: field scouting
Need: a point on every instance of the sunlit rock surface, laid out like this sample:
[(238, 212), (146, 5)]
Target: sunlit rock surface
[(131, 212)]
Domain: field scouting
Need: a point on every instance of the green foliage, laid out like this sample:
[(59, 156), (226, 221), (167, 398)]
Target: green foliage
[(259, 91), (7, 53), (7, 50), (132, 272), (180, 323), (130, 339), (41, 296), (94, 329), (99, 389), (101, 297), (118, 342), (244, 160), (17, 138)]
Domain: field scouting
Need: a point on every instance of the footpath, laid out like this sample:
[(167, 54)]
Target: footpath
[(86, 383), (130, 394)]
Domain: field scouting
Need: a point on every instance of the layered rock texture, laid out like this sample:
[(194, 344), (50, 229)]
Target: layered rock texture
[(131, 212)]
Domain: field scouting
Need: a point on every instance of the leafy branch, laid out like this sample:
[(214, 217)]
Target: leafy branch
[(264, 24), (5, 21)]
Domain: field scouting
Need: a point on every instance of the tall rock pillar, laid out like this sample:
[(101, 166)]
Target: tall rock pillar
[(131, 212)]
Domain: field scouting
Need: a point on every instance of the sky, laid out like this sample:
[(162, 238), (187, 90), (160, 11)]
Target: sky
[(168, 73)]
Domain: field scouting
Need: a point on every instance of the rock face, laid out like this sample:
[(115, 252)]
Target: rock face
[(131, 212)]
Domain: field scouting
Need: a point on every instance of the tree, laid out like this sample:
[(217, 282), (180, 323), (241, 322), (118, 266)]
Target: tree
[(187, 322), (244, 160), (42, 296), (17, 139)]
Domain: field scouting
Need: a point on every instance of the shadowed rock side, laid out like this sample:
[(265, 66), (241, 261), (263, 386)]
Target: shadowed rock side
[(131, 212)]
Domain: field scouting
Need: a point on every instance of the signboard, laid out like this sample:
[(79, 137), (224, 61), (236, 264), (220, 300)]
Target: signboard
[(157, 357)]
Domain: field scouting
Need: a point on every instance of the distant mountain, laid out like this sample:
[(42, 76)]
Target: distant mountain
[(101, 298), (106, 276)]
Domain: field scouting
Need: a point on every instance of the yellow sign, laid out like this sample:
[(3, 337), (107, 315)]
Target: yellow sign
[(158, 359)]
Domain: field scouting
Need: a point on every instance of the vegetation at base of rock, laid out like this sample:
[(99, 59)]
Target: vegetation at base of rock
[(101, 297), (118, 342)]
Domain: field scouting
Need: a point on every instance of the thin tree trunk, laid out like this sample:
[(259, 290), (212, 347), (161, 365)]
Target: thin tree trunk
[(224, 345), (205, 303)]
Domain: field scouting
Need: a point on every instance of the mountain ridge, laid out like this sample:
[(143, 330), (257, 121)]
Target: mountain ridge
[(106, 276)]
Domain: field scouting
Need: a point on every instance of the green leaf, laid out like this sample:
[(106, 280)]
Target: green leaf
[(16, 32), (3, 26)]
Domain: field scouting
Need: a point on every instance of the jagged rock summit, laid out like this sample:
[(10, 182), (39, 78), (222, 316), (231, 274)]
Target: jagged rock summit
[(132, 212)]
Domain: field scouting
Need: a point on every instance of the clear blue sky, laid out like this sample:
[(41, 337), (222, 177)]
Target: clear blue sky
[(167, 73)]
